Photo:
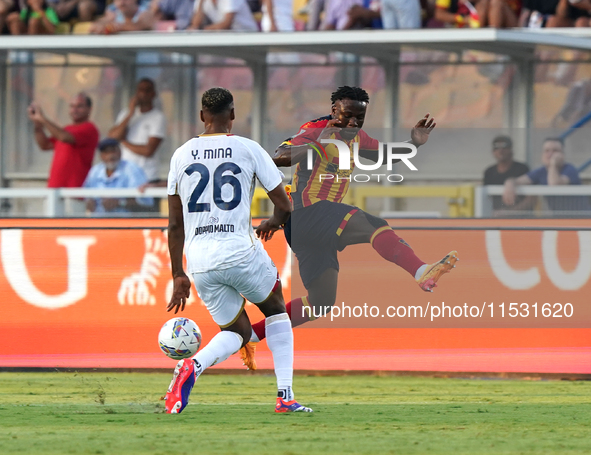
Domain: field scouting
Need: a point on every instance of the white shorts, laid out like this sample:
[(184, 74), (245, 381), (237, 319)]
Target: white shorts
[(222, 291)]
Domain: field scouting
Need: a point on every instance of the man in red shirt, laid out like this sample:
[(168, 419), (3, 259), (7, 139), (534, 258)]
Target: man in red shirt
[(73, 145)]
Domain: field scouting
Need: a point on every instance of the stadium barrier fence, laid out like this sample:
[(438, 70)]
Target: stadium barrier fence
[(91, 293)]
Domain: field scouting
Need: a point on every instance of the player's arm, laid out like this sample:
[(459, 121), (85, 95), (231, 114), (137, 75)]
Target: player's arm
[(287, 155), (295, 149), (419, 135), (176, 241), (281, 212)]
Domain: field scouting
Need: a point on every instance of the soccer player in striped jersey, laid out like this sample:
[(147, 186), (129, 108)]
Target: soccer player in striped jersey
[(321, 225)]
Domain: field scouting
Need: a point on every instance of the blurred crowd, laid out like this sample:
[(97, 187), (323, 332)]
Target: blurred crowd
[(114, 16)]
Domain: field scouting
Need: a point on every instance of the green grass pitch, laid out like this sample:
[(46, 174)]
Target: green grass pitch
[(120, 413)]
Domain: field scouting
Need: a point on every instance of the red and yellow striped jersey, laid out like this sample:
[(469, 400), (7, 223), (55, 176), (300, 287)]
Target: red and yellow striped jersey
[(308, 187)]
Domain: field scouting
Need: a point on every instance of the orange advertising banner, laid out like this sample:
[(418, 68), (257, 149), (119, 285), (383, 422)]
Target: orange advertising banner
[(92, 294)]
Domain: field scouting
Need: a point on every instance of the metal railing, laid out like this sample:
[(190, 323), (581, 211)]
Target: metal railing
[(463, 201), (57, 202), (566, 201)]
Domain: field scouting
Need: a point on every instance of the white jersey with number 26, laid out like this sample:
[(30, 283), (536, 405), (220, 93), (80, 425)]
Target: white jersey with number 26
[(214, 175)]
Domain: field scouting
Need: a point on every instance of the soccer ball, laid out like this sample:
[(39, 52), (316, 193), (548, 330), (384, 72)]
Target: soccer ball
[(179, 338)]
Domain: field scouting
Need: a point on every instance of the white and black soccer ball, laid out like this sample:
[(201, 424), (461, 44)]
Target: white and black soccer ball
[(179, 338)]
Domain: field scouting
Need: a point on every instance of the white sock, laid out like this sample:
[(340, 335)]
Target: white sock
[(254, 337), (221, 346), (280, 342), (420, 271)]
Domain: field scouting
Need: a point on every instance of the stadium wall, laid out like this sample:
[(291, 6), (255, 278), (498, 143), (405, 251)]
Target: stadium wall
[(92, 294)]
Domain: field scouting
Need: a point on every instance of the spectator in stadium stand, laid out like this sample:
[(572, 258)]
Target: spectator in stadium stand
[(6, 7), (277, 16), (181, 11), (36, 18), (455, 13), (140, 129), (577, 12), (223, 15), (401, 14), (506, 167), (314, 9), (124, 16), (114, 172), (540, 13), (73, 145), (336, 14), (553, 172), (366, 15), (82, 10), (499, 13)]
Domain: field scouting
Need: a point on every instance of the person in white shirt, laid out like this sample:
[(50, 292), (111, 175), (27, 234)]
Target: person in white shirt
[(140, 129), (223, 15), (210, 187), (277, 16)]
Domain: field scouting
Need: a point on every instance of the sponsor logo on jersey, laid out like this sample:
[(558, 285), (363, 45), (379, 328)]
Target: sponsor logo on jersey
[(212, 228)]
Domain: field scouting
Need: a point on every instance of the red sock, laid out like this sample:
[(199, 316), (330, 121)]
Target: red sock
[(294, 311), (392, 248)]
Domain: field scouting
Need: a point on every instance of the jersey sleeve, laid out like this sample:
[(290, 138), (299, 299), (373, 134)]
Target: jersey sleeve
[(308, 133), (264, 168), (172, 185), (367, 143)]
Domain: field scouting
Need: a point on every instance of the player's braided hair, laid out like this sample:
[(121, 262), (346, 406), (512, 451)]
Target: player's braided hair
[(217, 100), (351, 93)]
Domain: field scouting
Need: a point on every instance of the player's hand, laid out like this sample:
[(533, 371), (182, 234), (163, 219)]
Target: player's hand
[(267, 228), (181, 289), (329, 129), (420, 132)]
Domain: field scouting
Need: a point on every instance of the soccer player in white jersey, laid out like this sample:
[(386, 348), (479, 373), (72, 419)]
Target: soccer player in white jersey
[(210, 187)]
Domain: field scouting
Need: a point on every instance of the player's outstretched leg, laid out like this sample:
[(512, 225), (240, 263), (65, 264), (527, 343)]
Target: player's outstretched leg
[(366, 228), (431, 274), (222, 346)]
